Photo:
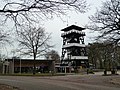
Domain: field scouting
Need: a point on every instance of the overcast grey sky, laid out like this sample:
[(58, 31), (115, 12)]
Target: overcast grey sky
[(54, 26)]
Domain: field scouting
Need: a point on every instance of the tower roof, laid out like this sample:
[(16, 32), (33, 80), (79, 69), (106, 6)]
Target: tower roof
[(73, 27)]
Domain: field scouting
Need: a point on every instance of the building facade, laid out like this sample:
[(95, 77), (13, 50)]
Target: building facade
[(74, 53), (12, 66)]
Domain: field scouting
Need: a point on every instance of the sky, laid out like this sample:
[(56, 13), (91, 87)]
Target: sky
[(55, 25)]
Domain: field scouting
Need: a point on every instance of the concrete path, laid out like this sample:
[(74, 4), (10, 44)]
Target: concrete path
[(70, 82)]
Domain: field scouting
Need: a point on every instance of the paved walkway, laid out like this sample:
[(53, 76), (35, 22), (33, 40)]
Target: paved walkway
[(69, 82)]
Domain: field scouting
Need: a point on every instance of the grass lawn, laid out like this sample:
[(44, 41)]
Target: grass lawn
[(31, 74)]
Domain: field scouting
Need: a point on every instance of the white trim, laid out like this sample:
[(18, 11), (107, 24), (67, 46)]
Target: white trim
[(73, 31), (73, 44), (79, 57)]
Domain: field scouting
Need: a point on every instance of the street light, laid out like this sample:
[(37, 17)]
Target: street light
[(20, 65), (113, 59), (13, 51)]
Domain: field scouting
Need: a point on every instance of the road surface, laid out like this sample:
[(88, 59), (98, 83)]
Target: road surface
[(70, 82)]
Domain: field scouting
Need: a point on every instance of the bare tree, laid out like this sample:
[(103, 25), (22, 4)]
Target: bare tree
[(106, 21), (22, 11), (104, 55), (34, 42), (4, 38), (53, 55)]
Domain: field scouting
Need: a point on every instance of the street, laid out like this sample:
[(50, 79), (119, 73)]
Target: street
[(69, 82)]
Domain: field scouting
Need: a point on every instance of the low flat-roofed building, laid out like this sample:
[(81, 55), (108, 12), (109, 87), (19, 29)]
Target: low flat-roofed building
[(26, 66)]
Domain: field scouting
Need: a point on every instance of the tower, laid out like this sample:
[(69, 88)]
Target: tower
[(74, 49)]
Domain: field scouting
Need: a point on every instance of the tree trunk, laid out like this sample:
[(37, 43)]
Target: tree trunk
[(105, 72), (34, 67)]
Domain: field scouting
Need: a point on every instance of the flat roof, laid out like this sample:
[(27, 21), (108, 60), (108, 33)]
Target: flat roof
[(73, 27), (27, 59)]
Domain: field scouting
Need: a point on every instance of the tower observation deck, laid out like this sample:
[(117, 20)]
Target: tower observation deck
[(74, 48)]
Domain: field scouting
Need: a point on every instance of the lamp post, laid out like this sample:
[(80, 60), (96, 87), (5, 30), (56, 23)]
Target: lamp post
[(113, 59), (13, 65), (7, 64), (13, 61), (20, 61), (20, 65)]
